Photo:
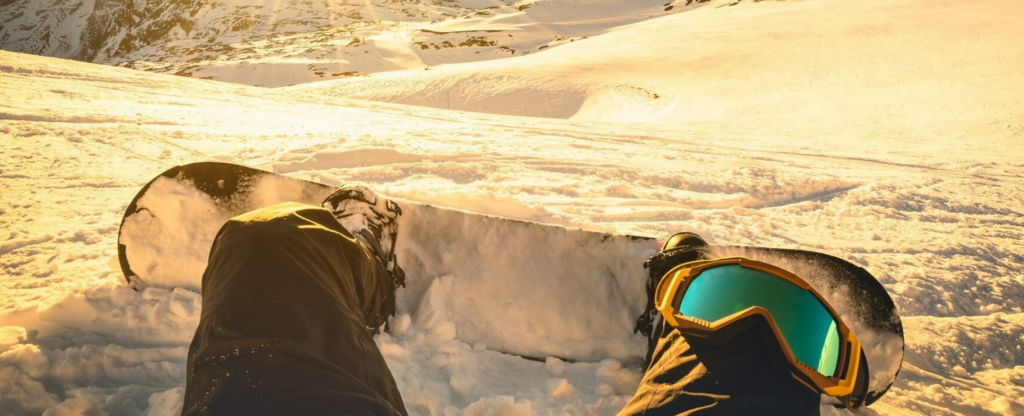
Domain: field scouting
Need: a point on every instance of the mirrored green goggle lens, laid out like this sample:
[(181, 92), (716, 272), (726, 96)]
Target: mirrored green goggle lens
[(807, 325)]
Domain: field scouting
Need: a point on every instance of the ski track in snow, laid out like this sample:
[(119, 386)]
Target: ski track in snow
[(942, 231)]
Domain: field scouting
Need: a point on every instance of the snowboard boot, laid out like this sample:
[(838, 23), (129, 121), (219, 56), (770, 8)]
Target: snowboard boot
[(680, 248), (373, 220)]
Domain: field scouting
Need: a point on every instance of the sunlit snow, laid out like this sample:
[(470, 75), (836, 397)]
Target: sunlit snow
[(889, 133)]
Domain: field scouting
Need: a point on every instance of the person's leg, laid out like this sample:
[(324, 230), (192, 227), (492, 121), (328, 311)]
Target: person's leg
[(721, 377), (735, 378), (283, 328)]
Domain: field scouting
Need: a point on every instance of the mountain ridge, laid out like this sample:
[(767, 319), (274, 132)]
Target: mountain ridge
[(298, 41)]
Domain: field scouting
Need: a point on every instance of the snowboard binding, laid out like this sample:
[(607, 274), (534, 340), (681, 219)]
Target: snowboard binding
[(374, 221), (682, 247)]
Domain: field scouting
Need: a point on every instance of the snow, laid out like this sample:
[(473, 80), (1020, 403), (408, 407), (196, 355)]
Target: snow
[(296, 41), (173, 244), (885, 132)]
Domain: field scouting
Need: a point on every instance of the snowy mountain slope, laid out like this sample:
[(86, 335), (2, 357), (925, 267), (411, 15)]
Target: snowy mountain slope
[(888, 133), (851, 70), (295, 41), (942, 230)]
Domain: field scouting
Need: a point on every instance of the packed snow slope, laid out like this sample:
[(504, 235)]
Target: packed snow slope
[(844, 69), (908, 160), (284, 42)]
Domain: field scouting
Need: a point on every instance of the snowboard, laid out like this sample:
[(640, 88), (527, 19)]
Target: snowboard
[(519, 287)]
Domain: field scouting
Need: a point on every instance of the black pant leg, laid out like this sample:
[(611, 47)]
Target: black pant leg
[(739, 378), (282, 329)]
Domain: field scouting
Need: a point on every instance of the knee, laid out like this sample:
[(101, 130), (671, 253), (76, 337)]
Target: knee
[(284, 217), (280, 211)]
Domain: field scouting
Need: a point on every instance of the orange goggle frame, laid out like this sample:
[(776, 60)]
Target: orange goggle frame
[(673, 287)]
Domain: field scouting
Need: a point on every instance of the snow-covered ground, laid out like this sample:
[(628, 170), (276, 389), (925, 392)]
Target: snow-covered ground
[(886, 132)]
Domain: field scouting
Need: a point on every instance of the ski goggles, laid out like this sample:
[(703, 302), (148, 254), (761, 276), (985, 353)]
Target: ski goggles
[(704, 297)]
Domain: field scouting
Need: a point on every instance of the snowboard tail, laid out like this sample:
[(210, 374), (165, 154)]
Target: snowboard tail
[(519, 287)]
